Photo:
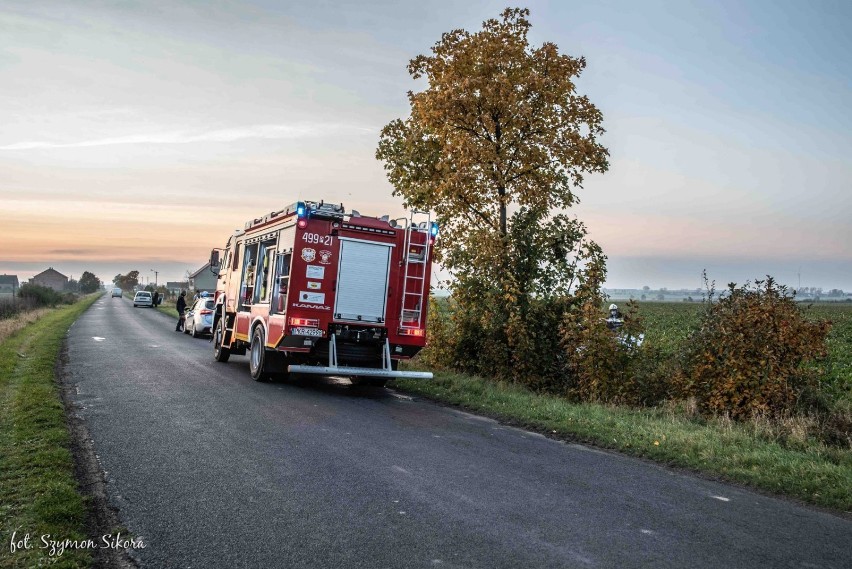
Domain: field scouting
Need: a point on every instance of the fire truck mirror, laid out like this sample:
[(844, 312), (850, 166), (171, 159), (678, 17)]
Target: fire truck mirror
[(214, 259)]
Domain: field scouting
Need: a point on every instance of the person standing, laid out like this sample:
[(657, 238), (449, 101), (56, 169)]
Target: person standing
[(616, 319), (181, 307)]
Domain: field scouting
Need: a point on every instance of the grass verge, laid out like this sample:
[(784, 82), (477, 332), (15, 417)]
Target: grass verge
[(168, 307), (38, 490), (810, 472)]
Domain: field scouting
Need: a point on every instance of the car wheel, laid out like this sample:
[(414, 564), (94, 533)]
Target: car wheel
[(257, 356), (220, 353), (193, 332)]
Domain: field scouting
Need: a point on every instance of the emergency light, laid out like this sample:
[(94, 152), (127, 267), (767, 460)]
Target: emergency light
[(434, 230), (301, 209)]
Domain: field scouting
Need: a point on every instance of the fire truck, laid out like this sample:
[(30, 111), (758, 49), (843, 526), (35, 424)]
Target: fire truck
[(312, 289)]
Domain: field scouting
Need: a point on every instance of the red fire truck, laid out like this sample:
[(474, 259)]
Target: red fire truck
[(312, 289)]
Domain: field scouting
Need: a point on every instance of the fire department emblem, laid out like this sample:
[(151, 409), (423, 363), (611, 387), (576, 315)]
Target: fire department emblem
[(308, 254), (325, 257)]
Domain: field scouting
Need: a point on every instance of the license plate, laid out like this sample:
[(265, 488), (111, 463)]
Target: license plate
[(306, 332)]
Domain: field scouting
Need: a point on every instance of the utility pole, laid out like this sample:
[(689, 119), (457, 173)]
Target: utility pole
[(156, 275)]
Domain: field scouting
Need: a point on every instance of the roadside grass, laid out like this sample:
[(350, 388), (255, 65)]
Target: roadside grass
[(38, 490), (742, 453), (9, 326), (168, 307)]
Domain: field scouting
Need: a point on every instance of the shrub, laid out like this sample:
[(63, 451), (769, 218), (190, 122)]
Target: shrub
[(41, 296), (605, 365), (751, 353)]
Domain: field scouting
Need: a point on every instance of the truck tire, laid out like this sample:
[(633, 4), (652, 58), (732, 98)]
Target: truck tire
[(220, 353), (257, 356)]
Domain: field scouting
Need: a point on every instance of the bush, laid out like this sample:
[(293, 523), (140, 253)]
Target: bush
[(603, 365), (752, 351), (40, 296)]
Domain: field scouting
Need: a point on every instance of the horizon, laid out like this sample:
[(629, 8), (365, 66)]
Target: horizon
[(139, 137)]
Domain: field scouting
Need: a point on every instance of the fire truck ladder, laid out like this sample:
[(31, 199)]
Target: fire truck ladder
[(414, 285)]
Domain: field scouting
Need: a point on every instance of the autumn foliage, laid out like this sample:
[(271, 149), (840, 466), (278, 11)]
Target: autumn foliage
[(496, 145), (751, 353)]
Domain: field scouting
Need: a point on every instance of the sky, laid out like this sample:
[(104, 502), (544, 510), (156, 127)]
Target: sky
[(139, 135)]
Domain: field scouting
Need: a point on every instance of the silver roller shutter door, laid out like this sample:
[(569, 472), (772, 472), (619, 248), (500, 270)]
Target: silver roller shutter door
[(362, 281)]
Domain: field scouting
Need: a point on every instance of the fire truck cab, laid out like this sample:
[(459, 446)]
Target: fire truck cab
[(311, 289)]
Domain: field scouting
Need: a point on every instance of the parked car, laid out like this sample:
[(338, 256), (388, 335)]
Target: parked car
[(143, 298), (116, 292), (199, 319)]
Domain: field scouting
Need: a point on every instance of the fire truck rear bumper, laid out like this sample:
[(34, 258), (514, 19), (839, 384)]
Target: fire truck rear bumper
[(359, 371)]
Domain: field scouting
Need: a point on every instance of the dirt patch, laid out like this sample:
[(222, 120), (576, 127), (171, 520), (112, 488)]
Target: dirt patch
[(102, 517)]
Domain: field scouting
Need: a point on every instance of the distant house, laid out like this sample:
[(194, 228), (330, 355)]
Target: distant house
[(9, 285), (174, 287), (51, 278), (203, 279)]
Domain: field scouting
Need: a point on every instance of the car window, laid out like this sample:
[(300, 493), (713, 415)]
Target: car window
[(209, 305)]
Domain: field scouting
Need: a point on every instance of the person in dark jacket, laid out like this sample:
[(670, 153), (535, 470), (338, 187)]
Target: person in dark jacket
[(181, 307)]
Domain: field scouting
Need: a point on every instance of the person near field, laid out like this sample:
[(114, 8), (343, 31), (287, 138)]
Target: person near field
[(181, 307), (615, 319)]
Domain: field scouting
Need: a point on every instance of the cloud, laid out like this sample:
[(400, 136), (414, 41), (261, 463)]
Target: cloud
[(74, 252), (268, 131)]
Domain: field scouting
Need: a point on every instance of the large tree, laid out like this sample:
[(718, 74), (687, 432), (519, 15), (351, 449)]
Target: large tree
[(496, 145), (89, 282), (499, 127), (126, 282)]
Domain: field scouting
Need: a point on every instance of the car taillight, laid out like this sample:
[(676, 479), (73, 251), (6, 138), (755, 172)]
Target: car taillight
[(305, 322), (412, 332), (205, 311)]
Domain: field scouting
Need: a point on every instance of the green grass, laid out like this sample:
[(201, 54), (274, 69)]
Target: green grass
[(735, 452), (168, 307), (38, 490)]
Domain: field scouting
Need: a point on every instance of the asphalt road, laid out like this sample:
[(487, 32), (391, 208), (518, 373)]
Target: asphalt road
[(212, 470)]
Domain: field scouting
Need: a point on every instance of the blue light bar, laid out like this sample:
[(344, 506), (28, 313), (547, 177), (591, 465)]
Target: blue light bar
[(434, 230), (301, 209)]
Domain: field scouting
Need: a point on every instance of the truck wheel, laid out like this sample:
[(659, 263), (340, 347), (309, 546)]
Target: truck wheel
[(220, 353), (257, 356)]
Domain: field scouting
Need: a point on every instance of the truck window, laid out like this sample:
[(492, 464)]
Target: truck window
[(282, 272), (263, 279), (249, 281), (236, 261), (268, 274)]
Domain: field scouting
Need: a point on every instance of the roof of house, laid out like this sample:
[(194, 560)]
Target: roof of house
[(48, 272), (199, 271), (9, 280)]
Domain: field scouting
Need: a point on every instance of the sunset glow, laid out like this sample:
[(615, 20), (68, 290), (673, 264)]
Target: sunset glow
[(139, 138)]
